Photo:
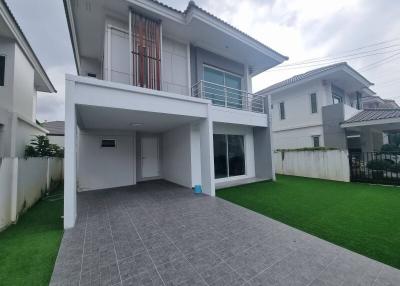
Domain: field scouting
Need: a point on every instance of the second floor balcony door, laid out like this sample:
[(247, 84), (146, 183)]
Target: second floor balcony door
[(146, 52), (223, 88)]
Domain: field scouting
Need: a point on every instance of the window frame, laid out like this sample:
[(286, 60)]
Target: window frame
[(313, 111), (313, 137), (3, 68), (282, 115)]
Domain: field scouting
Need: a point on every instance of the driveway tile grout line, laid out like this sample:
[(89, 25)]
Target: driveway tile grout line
[(144, 245), (112, 237), (84, 243)]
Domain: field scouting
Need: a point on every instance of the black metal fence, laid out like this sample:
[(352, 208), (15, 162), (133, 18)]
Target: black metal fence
[(375, 167)]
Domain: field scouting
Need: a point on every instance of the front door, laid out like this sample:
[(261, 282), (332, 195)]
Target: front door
[(150, 164)]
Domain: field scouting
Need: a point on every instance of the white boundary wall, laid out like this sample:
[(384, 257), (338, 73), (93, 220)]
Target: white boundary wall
[(22, 182), (329, 165)]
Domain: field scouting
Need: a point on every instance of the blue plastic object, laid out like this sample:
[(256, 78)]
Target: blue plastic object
[(197, 189)]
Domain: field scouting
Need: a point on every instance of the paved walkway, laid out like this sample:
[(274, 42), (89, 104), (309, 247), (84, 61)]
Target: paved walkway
[(158, 233)]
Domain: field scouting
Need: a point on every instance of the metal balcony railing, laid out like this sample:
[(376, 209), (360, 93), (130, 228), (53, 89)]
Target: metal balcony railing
[(224, 96)]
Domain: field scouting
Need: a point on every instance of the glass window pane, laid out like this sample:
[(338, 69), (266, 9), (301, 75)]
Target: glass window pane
[(236, 155), (220, 160), (2, 69), (313, 103), (316, 141), (282, 110), (214, 86), (234, 84)]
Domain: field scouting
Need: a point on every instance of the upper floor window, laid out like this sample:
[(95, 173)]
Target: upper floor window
[(315, 140), (358, 98), (282, 110), (2, 69), (313, 100), (146, 52), (337, 94), (222, 87)]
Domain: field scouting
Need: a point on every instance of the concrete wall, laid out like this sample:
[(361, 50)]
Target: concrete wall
[(176, 159), (334, 135), (329, 165), (25, 132), (7, 49), (263, 160), (23, 182), (100, 168)]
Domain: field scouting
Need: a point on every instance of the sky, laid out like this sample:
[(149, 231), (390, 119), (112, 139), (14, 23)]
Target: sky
[(365, 33)]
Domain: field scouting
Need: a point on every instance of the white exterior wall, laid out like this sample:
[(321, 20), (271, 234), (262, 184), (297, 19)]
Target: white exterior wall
[(24, 91), (329, 165), (247, 132), (174, 67), (7, 49), (6, 184), (176, 159), (25, 132), (100, 168), (297, 138)]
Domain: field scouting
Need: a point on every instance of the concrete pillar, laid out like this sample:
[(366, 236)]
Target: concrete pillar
[(366, 139), (207, 156), (263, 157), (70, 158)]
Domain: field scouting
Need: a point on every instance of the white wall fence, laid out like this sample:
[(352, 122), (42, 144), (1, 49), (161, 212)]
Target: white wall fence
[(322, 164), (22, 183)]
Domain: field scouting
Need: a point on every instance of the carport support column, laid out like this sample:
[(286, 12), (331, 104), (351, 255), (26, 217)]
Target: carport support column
[(70, 156), (207, 156)]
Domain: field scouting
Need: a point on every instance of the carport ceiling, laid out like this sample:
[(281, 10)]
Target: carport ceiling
[(94, 117)]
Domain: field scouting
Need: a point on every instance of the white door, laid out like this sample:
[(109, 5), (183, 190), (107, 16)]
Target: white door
[(150, 164)]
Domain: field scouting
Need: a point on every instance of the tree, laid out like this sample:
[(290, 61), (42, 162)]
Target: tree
[(40, 147)]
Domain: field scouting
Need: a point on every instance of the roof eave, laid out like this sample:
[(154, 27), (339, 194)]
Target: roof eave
[(72, 33), (22, 41)]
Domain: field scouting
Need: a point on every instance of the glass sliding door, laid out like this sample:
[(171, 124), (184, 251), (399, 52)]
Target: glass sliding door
[(236, 155), (220, 156), (223, 88), (214, 86), (229, 156)]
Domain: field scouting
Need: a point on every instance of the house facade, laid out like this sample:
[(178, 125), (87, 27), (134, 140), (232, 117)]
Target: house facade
[(21, 77), (162, 94), (307, 109)]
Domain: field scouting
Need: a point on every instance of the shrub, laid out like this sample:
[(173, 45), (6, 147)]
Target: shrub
[(379, 165), (389, 148)]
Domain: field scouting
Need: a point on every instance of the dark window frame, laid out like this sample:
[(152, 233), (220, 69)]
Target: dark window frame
[(313, 102), (282, 111), (2, 69), (317, 143)]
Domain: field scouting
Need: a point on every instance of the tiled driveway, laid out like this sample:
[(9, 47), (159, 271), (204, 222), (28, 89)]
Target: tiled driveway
[(158, 233)]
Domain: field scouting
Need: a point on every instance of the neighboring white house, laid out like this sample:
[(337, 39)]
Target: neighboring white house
[(374, 101), (21, 76), (307, 109), (162, 94), (56, 132)]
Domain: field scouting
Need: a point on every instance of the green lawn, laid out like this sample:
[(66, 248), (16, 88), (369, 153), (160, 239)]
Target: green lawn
[(360, 217), (29, 249)]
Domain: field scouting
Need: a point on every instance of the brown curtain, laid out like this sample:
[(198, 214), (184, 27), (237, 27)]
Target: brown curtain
[(146, 52)]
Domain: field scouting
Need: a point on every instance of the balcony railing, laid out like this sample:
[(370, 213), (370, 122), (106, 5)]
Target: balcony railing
[(224, 96)]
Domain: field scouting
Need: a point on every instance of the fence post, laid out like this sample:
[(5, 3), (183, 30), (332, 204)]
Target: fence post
[(48, 177), (14, 190)]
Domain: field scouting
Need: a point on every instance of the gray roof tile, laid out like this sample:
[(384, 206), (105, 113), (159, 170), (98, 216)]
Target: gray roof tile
[(54, 127), (374, 114)]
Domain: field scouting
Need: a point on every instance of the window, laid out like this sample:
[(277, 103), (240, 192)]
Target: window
[(282, 110), (91, 74), (223, 88), (229, 157), (2, 69), (315, 141), (313, 99), (337, 94), (108, 143), (358, 106)]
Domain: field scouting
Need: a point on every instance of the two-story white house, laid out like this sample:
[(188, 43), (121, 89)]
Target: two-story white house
[(307, 109), (162, 94), (21, 77)]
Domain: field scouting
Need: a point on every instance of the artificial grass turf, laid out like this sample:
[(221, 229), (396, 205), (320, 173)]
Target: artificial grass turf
[(360, 217), (28, 249)]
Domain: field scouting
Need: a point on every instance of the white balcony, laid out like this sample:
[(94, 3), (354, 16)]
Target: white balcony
[(225, 96)]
